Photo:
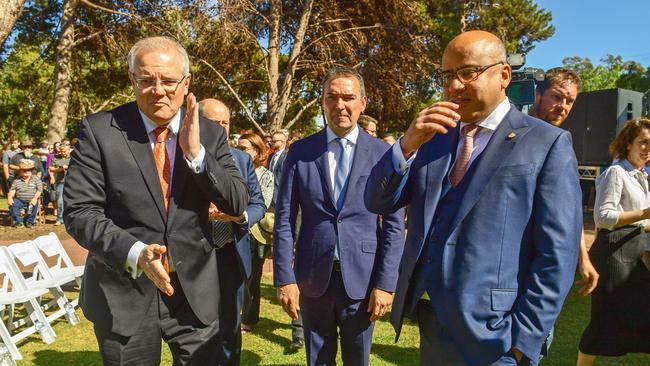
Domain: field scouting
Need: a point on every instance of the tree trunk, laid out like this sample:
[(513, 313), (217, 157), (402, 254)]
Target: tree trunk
[(62, 75), (275, 15), (278, 96), (9, 13)]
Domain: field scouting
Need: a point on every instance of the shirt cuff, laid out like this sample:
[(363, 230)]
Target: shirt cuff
[(400, 164), (245, 222), (131, 265), (198, 164)]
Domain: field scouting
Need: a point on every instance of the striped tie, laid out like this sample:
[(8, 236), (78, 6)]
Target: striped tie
[(462, 162)]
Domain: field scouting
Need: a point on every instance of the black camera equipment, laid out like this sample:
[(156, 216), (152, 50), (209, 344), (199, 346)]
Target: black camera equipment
[(521, 90)]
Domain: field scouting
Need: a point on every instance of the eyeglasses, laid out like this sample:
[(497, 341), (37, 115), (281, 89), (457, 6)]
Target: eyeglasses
[(168, 85), (465, 74)]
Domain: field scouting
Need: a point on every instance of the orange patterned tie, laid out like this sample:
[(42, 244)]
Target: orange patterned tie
[(465, 154), (164, 172), (162, 162)]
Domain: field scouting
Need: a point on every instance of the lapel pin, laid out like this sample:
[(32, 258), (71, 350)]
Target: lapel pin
[(511, 135)]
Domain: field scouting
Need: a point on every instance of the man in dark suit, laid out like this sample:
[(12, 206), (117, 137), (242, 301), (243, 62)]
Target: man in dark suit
[(344, 270), (232, 239), (494, 215), (137, 193), (276, 160)]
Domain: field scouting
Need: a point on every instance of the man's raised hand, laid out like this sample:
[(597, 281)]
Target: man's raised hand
[(190, 136), (437, 118)]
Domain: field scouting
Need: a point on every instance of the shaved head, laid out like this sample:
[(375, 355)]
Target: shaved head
[(480, 43), (485, 55), (216, 111)]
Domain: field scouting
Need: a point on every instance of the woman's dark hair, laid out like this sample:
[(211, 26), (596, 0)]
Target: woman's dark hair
[(259, 146), (632, 129)]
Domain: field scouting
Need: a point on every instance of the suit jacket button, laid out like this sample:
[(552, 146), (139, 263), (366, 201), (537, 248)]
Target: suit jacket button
[(340, 221)]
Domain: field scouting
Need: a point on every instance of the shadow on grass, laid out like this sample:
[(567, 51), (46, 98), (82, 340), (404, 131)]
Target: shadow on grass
[(394, 354), (56, 358)]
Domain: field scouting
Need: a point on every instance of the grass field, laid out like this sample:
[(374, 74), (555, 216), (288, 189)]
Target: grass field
[(268, 343)]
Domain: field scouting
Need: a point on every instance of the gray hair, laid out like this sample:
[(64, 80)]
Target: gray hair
[(159, 43), (339, 71)]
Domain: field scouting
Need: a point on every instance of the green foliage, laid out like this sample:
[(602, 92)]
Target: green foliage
[(603, 76), (396, 47)]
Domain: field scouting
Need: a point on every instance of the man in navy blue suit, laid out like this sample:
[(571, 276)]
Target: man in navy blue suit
[(344, 270), (494, 215), (231, 236)]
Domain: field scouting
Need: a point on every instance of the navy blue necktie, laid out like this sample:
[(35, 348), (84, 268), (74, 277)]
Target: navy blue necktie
[(342, 156)]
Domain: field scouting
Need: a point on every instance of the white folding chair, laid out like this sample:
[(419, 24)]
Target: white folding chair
[(52, 247), (29, 256), (13, 292)]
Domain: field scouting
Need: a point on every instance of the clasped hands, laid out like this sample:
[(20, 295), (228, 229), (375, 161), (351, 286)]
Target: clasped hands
[(378, 304), (215, 214)]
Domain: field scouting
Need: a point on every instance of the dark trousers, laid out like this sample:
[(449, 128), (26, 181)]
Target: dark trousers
[(334, 314), (20, 205), (169, 318), (251, 307), (231, 287), (439, 348)]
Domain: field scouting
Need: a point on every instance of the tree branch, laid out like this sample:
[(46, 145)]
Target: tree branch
[(86, 38), (234, 93), (98, 7), (335, 33), (300, 112)]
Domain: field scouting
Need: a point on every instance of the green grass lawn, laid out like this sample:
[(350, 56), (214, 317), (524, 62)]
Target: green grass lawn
[(268, 343)]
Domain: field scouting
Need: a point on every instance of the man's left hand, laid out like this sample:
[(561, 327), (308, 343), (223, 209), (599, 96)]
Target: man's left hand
[(189, 137), (33, 202), (215, 214), (379, 303)]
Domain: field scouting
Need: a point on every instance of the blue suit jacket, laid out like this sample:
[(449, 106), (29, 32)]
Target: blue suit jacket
[(510, 259), (255, 209), (369, 254)]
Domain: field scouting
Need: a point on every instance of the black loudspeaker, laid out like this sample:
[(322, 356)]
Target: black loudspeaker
[(595, 120)]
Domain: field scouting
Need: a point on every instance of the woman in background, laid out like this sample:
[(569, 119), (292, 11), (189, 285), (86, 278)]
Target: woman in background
[(255, 146), (620, 304)]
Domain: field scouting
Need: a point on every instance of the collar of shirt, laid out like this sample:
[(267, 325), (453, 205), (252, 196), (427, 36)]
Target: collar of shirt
[(494, 119), (351, 137), (631, 170), (173, 124)]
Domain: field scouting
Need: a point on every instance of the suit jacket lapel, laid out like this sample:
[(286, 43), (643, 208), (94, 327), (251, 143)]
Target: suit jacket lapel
[(135, 136), (324, 167), (181, 170), (438, 155), (361, 160), (495, 153)]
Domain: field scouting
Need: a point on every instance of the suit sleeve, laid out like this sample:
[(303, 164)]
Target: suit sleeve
[(392, 246), (556, 228), (386, 190), (85, 203), (256, 208), (286, 211), (221, 180)]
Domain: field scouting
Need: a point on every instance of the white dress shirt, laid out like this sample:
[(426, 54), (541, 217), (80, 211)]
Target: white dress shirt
[(620, 188), (481, 139), (274, 159), (350, 148), (197, 165)]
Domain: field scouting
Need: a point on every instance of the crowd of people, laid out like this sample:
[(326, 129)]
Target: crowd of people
[(179, 220), (42, 172)]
